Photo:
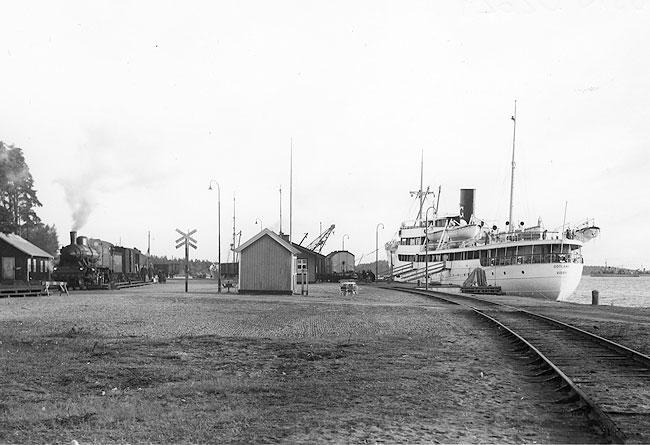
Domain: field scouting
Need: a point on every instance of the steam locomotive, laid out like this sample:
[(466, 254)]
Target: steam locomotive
[(92, 263)]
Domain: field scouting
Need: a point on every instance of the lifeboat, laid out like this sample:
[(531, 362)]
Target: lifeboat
[(453, 233), (586, 234), (463, 233)]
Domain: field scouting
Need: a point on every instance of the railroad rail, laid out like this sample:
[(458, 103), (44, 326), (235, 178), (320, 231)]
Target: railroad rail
[(607, 381)]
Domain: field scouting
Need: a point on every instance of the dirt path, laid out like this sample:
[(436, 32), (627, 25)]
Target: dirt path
[(158, 365)]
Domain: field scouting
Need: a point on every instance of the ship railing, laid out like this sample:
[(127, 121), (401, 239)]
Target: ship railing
[(496, 238), (413, 224), (558, 258), (506, 237)]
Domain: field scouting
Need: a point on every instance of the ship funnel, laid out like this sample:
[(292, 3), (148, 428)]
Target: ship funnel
[(73, 237), (467, 204)]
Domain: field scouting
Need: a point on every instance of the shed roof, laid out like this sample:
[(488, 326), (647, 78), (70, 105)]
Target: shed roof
[(23, 245), (331, 254), (274, 236), (305, 250)]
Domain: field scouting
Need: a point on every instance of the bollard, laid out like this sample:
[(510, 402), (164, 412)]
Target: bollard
[(594, 297)]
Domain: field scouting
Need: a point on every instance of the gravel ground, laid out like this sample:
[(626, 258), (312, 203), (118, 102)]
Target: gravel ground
[(444, 377)]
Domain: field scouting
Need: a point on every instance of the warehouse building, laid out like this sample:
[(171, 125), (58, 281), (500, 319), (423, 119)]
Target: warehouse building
[(339, 265), (340, 262)]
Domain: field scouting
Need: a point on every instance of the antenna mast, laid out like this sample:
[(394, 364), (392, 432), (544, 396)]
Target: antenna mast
[(291, 192), (234, 233), (421, 183), (512, 174)]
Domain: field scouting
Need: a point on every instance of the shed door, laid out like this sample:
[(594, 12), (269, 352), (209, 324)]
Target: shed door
[(8, 268)]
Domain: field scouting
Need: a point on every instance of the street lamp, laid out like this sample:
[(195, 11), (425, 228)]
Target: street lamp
[(258, 219), (426, 249), (343, 241), (219, 228), (377, 250)]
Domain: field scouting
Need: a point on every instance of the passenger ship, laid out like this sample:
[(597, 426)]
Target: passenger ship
[(462, 250), (528, 261)]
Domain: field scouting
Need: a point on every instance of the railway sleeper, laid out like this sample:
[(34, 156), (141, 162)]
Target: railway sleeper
[(571, 397), (548, 371), (582, 408), (537, 361), (541, 367), (564, 387), (555, 378), (520, 349)]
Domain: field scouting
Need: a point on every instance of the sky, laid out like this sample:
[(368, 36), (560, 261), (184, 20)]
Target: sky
[(324, 112)]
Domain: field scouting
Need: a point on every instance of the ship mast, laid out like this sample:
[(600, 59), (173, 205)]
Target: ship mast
[(512, 174), (421, 194)]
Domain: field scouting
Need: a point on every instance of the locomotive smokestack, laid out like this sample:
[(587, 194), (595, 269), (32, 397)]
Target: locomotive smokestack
[(73, 237), (467, 203)]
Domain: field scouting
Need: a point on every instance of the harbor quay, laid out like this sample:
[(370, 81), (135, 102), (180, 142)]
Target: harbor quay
[(157, 364)]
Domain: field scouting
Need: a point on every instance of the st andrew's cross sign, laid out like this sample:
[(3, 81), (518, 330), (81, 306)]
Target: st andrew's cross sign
[(187, 241)]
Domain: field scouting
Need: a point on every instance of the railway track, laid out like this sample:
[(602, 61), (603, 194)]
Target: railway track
[(606, 381)]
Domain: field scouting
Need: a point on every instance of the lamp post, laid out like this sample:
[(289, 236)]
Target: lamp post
[(343, 248), (377, 250), (426, 249), (258, 219), (219, 229)]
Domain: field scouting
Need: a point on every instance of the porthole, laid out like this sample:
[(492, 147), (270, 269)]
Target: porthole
[(522, 272)]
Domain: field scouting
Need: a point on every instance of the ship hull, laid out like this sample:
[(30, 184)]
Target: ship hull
[(552, 281)]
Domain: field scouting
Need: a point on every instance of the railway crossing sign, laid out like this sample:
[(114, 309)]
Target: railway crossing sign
[(187, 241)]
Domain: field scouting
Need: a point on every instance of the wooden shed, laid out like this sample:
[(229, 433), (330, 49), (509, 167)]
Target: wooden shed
[(22, 261), (267, 265)]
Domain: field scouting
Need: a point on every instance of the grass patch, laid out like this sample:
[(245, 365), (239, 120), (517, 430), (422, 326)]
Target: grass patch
[(142, 367), (75, 384)]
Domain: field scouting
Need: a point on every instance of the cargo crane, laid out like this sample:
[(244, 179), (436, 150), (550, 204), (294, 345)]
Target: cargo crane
[(319, 242)]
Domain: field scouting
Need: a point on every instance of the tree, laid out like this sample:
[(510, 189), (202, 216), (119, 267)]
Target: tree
[(43, 236), (17, 195)]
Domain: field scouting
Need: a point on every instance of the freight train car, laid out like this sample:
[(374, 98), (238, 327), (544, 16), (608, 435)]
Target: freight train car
[(94, 263), (125, 264)]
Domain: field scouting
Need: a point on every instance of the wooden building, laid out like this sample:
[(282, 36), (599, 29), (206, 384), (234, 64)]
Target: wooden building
[(267, 265), (23, 262), (313, 262), (340, 262), (310, 264)]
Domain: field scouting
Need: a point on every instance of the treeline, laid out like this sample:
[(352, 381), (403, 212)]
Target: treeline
[(197, 268), (382, 267), (18, 202), (587, 270)]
